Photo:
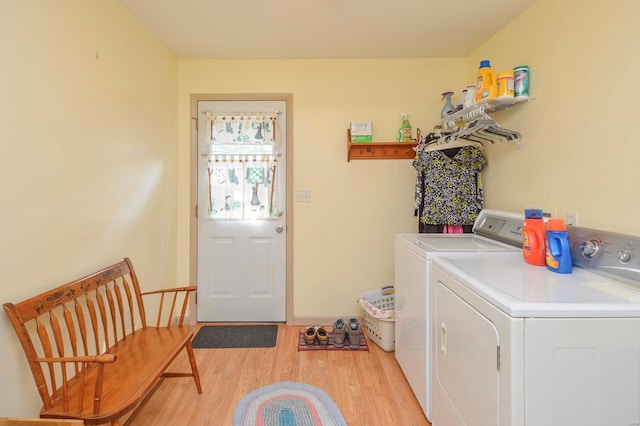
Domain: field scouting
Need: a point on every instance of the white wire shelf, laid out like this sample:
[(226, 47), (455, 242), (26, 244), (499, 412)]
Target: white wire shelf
[(485, 105)]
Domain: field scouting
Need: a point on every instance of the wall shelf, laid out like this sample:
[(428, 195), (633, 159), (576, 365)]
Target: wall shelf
[(486, 105), (380, 150)]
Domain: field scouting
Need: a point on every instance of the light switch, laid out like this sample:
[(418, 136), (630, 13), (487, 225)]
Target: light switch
[(303, 195)]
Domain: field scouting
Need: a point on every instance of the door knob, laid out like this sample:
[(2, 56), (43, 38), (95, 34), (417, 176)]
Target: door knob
[(279, 228)]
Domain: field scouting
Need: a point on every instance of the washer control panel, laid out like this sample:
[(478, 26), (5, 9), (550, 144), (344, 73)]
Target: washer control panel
[(615, 254), (500, 226)]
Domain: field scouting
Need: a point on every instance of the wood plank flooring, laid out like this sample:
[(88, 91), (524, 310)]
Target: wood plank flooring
[(368, 387)]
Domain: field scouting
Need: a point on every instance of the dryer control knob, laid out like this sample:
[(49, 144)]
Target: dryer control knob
[(624, 256), (589, 249)]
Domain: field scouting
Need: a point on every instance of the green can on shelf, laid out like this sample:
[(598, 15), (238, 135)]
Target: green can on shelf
[(521, 81)]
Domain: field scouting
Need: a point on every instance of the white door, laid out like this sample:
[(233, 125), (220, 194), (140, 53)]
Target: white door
[(241, 211)]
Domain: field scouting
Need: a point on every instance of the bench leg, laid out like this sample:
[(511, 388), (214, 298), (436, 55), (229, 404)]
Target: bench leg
[(194, 366)]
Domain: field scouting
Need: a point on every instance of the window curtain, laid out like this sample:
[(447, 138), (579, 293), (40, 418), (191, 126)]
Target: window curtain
[(242, 165), (243, 188), (243, 129)]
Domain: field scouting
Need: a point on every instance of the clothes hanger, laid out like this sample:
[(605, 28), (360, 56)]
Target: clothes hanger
[(489, 128), (476, 137), (501, 132), (470, 131), (451, 141), (458, 143), (478, 129), (426, 140)]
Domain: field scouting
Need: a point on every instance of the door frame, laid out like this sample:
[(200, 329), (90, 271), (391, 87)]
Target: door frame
[(193, 182)]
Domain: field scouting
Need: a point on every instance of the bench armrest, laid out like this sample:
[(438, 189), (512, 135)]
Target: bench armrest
[(171, 290), (101, 360), (173, 294)]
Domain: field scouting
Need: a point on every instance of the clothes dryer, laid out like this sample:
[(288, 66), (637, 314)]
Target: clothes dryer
[(516, 344), (494, 233)]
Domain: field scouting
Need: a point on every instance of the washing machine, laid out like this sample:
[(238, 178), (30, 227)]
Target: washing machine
[(494, 233), (519, 345)]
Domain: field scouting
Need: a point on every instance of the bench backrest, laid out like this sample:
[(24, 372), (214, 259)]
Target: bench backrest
[(85, 317)]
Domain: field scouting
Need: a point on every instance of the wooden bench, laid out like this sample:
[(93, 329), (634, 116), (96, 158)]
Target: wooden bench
[(91, 352)]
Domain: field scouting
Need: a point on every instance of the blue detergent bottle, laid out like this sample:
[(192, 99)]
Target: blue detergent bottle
[(558, 252)]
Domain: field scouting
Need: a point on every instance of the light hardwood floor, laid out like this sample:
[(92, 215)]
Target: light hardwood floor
[(368, 387)]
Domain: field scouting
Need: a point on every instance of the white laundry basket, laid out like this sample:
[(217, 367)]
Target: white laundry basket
[(379, 316)]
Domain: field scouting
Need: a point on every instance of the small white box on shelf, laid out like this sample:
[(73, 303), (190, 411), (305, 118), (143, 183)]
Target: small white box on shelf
[(361, 131)]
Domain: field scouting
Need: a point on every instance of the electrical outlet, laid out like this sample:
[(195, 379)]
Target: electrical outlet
[(571, 218)]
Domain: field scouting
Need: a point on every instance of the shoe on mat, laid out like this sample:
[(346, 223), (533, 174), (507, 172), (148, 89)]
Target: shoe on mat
[(322, 336), (310, 335), (339, 333), (354, 332)]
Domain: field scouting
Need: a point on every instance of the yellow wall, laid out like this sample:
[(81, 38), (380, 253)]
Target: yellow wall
[(343, 238), (88, 170), (580, 150)]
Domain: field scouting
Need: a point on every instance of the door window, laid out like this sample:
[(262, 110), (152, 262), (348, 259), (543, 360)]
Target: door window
[(243, 166)]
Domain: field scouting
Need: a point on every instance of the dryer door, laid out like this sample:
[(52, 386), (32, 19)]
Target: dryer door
[(466, 363)]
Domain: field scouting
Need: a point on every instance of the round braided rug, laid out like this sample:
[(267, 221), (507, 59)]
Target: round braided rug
[(287, 404)]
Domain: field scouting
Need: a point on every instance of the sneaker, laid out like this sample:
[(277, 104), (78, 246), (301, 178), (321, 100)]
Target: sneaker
[(322, 336), (339, 333), (354, 332), (310, 336)]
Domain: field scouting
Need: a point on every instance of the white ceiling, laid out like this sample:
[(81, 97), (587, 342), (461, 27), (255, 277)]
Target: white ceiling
[(324, 28)]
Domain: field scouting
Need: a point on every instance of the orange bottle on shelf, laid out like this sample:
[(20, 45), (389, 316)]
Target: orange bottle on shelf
[(486, 84), (533, 238)]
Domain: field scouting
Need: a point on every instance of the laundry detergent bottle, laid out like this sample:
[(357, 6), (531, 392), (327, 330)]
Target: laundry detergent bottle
[(404, 133), (558, 249), (533, 238), (486, 84)]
